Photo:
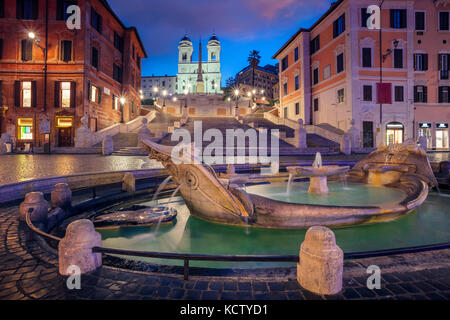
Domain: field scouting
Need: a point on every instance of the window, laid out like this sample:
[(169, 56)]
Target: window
[(26, 94), (213, 56), (96, 20), (296, 54), (316, 105), (66, 50), (340, 63), (444, 66), (399, 93), (315, 45), (61, 9), (444, 97), (27, 9), (398, 18), (285, 89), (297, 83), (420, 62), (117, 73), (316, 76), (444, 21), (367, 57), (327, 72), (420, 94), (27, 50), (340, 96), (420, 21), (115, 103), (367, 93), (364, 17), (133, 52), (94, 58), (297, 108), (65, 94), (94, 92), (284, 63), (339, 26), (398, 58), (118, 42), (1, 49), (2, 8)]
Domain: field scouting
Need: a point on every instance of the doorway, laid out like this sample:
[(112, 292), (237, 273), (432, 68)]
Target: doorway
[(65, 137), (368, 134), (394, 133), (441, 136)]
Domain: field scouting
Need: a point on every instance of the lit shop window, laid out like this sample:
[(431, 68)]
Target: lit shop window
[(25, 129), (26, 94), (65, 94), (442, 135)]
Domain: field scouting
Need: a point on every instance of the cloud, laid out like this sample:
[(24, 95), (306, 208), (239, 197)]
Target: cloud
[(162, 23)]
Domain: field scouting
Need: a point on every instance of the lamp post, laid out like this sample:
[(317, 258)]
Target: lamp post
[(236, 95), (186, 91), (122, 105), (36, 42), (249, 94)]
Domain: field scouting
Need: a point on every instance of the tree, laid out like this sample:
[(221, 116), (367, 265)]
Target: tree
[(254, 58)]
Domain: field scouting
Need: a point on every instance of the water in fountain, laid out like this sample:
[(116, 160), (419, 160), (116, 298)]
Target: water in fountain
[(160, 188), (318, 161), (175, 192), (289, 185)]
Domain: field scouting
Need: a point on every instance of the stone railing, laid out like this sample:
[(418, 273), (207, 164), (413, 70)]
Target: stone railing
[(115, 129), (281, 121), (333, 136)]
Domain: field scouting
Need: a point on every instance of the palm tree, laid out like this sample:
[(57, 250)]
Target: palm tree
[(254, 59)]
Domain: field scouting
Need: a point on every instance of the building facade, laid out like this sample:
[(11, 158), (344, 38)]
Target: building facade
[(83, 72), (335, 72), (154, 86), (188, 69), (264, 79)]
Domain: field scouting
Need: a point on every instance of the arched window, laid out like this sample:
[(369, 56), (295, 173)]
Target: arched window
[(213, 56)]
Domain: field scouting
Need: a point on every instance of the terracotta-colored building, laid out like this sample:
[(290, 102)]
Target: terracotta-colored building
[(334, 72), (88, 70)]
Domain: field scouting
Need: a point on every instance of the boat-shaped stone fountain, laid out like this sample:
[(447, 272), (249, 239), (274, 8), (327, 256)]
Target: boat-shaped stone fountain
[(403, 167)]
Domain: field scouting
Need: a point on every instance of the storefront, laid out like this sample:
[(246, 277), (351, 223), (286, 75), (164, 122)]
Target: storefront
[(442, 136), (64, 127), (25, 130), (394, 133), (426, 130)]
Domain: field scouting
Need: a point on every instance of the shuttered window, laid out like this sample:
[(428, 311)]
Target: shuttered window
[(367, 93), (398, 18), (398, 58), (444, 96), (420, 94), (94, 58), (367, 57), (444, 21), (96, 21), (27, 9), (340, 63), (66, 50), (420, 21), (339, 26), (399, 93), (27, 50)]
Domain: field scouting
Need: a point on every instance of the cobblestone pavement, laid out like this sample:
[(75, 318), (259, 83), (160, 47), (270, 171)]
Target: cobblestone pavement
[(15, 168), (29, 272)]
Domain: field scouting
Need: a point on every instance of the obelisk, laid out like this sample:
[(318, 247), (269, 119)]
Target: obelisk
[(200, 84)]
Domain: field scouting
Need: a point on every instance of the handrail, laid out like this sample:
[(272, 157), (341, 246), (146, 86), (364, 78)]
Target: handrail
[(34, 229)]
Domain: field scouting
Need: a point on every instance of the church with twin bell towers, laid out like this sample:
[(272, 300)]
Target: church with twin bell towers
[(202, 77)]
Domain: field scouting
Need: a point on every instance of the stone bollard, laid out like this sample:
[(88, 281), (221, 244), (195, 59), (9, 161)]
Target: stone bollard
[(302, 135), (61, 196), (35, 201), (129, 183), (107, 146), (321, 262), (75, 249), (346, 144)]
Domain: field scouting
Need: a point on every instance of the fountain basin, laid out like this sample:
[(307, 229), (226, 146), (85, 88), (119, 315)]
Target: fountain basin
[(210, 199)]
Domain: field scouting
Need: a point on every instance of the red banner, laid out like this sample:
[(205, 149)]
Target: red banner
[(384, 93)]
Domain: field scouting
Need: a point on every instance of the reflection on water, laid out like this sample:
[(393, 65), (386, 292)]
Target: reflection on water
[(427, 225)]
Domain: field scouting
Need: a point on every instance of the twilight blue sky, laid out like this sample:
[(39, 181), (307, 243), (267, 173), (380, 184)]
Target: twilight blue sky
[(240, 25)]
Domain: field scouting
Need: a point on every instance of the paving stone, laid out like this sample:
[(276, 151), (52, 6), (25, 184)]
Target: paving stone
[(260, 286), (395, 289), (263, 296), (276, 286), (424, 286), (176, 294), (350, 293), (409, 287), (244, 286), (365, 292), (193, 295), (244, 295), (292, 295), (216, 285), (229, 285), (435, 296), (210, 295), (201, 285), (146, 290), (228, 295)]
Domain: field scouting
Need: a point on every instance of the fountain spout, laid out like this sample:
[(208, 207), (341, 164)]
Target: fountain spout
[(318, 161)]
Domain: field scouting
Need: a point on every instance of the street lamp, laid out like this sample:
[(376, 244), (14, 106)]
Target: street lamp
[(249, 94), (236, 94), (122, 101)]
